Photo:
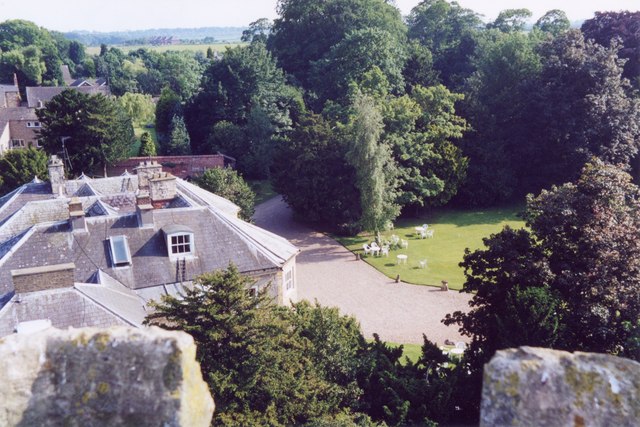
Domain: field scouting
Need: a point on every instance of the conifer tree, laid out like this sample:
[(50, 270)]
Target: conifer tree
[(147, 147)]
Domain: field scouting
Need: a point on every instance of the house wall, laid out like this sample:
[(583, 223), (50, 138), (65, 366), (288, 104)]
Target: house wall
[(43, 278), (4, 139), (19, 130)]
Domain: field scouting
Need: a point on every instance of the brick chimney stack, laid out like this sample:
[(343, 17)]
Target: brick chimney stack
[(145, 170), (162, 189), (56, 175), (77, 216), (144, 209)]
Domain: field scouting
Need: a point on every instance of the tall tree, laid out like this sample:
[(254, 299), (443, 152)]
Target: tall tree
[(554, 21), (258, 31), (139, 107), (226, 182), (421, 129), (306, 29), (167, 107), (511, 20), (258, 367), (447, 30), (606, 28), (354, 55), (496, 104), (374, 166), (18, 167), (586, 110), (311, 173), (147, 146), (94, 130), (572, 281), (179, 143)]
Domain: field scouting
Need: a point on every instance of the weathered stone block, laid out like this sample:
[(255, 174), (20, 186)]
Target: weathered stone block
[(102, 377), (541, 387)]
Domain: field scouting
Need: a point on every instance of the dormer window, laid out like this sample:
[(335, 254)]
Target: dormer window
[(179, 240), (120, 255), (180, 244)]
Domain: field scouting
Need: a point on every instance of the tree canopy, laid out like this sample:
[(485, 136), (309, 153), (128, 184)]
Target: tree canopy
[(18, 167), (94, 130), (225, 182)]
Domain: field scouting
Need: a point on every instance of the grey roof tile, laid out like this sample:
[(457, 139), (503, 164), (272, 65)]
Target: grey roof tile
[(44, 94), (65, 307)]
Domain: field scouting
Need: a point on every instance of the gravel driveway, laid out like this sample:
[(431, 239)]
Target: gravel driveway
[(329, 273)]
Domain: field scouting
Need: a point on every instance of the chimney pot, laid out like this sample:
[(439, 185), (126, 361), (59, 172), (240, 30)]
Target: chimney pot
[(77, 216)]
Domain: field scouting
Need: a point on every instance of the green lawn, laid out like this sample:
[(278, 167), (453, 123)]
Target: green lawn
[(454, 230), (216, 47)]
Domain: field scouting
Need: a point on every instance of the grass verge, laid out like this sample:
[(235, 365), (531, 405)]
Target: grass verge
[(454, 230), (263, 189)]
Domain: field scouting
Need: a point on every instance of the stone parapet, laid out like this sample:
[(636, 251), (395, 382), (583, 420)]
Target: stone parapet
[(102, 377), (541, 387)]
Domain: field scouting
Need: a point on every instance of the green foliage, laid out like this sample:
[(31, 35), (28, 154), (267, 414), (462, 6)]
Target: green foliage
[(554, 21), (247, 90), (511, 20), (496, 99), (167, 107), (95, 131), (18, 167), (306, 29), (311, 173), (31, 52), (607, 28), (448, 31), (374, 166), (179, 143), (139, 107), (256, 364), (147, 146), (258, 31), (421, 129), (571, 282), (304, 365), (357, 53), (226, 182)]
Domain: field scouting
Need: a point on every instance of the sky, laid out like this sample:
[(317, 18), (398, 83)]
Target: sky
[(119, 15)]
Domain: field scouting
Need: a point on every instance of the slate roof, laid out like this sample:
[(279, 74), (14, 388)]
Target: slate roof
[(44, 93), (65, 307), (35, 231)]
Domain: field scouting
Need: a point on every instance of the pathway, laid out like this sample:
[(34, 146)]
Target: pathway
[(329, 273)]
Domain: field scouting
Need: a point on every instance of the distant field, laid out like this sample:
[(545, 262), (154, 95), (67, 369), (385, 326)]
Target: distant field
[(216, 47)]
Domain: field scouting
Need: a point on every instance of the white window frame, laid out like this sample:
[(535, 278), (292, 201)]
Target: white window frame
[(288, 279), (175, 245), (34, 125), (19, 142), (120, 263), (253, 292)]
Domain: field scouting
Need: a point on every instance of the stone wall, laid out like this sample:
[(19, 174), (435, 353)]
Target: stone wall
[(102, 377), (541, 387), (181, 166), (43, 278)]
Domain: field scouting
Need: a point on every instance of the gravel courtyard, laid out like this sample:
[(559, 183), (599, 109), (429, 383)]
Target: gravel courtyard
[(330, 274)]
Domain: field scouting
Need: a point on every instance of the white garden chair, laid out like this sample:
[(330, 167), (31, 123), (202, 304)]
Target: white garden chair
[(423, 263), (429, 233), (385, 250), (375, 249), (367, 249), (404, 243)]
